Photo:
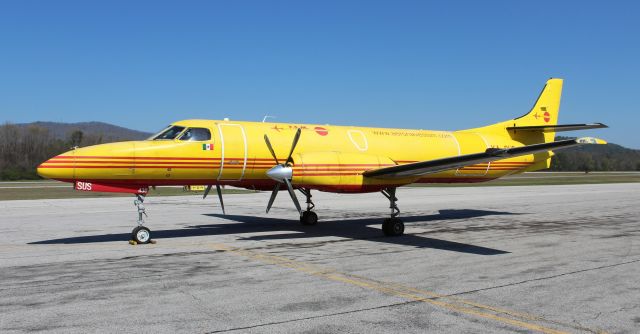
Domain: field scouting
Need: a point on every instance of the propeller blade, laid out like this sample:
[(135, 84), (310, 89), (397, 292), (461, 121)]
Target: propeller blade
[(293, 196), (266, 140), (206, 192), (219, 191), (293, 145), (274, 193)]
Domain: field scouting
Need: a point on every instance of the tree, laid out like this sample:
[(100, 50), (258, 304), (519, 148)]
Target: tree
[(76, 138)]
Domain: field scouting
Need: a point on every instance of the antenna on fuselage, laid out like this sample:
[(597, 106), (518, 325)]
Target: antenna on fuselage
[(267, 116)]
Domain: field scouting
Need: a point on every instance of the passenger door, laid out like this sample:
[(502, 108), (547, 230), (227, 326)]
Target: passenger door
[(233, 146)]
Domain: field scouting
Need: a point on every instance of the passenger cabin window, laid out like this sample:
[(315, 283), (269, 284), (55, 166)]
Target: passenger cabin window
[(196, 134), (170, 133)]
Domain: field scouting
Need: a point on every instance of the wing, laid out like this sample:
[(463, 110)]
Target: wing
[(492, 154), (558, 128)]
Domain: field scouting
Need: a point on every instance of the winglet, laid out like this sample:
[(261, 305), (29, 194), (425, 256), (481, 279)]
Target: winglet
[(591, 140)]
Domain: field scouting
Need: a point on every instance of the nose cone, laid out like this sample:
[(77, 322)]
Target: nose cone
[(60, 167), (279, 173), (104, 161)]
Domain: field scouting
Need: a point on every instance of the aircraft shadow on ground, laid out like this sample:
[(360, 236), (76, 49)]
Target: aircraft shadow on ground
[(357, 229)]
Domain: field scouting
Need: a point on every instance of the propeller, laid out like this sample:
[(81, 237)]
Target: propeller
[(219, 191), (282, 173)]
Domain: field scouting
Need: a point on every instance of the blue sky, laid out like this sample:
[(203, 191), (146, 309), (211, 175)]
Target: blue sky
[(416, 64)]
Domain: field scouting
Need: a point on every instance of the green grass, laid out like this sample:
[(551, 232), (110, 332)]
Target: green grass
[(550, 178), (16, 190)]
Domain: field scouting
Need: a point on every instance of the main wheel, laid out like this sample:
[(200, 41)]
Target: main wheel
[(393, 227), (309, 218), (141, 235)]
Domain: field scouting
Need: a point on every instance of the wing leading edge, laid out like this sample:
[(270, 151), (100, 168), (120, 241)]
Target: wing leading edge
[(558, 128), (491, 154)]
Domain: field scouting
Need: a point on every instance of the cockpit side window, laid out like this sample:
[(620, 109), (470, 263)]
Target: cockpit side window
[(170, 133), (196, 134)]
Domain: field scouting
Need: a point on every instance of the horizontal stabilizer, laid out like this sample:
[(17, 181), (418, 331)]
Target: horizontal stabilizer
[(491, 154), (557, 128)]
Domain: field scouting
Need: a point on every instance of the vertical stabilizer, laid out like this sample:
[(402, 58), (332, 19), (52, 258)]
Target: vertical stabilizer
[(545, 110)]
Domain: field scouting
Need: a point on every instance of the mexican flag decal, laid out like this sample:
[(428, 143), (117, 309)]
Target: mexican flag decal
[(207, 147)]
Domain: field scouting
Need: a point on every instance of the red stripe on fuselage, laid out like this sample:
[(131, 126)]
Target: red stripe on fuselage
[(131, 162), (65, 157)]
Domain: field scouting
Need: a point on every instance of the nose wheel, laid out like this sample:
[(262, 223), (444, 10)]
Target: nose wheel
[(392, 226), (140, 234)]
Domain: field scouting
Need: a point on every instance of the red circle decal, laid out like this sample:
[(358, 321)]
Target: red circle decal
[(321, 131), (547, 117)]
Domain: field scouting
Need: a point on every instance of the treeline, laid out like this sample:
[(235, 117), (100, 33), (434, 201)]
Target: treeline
[(23, 148), (587, 158)]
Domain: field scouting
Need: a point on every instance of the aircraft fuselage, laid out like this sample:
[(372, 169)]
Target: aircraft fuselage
[(328, 158)]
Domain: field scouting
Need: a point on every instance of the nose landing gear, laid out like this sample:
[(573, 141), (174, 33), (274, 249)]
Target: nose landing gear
[(140, 234), (392, 226)]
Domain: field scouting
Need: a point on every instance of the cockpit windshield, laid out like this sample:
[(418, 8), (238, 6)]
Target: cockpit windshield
[(169, 133), (196, 134)]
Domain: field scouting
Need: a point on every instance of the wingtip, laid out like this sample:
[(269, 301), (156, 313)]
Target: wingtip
[(591, 140)]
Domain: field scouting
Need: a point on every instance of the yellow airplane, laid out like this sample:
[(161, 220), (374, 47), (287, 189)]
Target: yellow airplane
[(341, 159)]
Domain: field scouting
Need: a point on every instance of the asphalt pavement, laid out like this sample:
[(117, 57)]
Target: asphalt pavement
[(549, 259)]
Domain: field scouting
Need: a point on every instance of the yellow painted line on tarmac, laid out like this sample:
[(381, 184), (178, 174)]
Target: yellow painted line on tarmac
[(516, 319)]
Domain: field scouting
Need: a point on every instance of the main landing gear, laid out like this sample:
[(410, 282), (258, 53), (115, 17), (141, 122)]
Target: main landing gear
[(392, 226), (308, 217), (140, 234)]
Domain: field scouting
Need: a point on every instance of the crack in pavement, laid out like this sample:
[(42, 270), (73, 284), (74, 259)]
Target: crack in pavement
[(545, 278)]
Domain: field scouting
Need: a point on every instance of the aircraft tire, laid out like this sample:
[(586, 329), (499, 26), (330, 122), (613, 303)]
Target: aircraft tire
[(309, 218), (141, 235), (393, 227)]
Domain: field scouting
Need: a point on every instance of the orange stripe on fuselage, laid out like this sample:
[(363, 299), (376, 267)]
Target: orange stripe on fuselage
[(132, 167), (257, 164)]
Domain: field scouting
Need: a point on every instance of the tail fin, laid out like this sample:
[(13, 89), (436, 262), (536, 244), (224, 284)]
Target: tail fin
[(541, 120), (538, 126), (545, 111)]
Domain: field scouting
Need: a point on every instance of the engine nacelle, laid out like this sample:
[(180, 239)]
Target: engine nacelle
[(341, 172)]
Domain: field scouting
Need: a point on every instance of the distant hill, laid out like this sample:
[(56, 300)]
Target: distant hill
[(609, 157), (108, 132)]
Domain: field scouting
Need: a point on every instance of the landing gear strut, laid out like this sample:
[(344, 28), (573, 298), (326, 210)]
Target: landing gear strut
[(392, 226), (308, 217), (140, 234)]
